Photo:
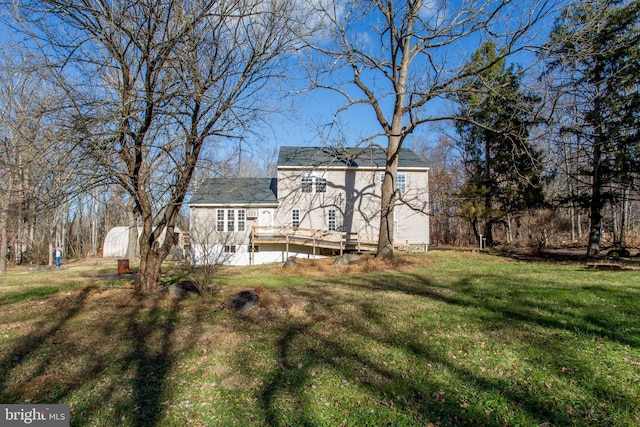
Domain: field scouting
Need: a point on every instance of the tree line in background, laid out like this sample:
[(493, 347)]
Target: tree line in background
[(113, 111), (563, 170)]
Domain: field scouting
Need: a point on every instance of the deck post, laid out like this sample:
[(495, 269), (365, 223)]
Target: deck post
[(253, 249)]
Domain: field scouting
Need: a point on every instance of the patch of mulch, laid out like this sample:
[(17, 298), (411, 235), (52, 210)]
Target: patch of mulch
[(366, 264)]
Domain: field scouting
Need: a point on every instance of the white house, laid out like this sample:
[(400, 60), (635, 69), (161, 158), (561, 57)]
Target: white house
[(323, 201)]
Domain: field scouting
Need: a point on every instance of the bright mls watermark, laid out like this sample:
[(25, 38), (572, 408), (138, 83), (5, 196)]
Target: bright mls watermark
[(34, 415)]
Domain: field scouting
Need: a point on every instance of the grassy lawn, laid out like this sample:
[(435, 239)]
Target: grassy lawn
[(444, 338)]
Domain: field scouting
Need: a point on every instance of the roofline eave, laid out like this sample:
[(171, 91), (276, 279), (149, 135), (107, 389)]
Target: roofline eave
[(371, 168), (235, 204)]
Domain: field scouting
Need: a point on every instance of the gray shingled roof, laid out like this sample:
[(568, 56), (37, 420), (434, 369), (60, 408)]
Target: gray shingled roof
[(241, 191), (341, 156)]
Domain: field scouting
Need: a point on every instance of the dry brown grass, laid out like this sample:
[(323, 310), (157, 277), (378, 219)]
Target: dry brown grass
[(366, 264)]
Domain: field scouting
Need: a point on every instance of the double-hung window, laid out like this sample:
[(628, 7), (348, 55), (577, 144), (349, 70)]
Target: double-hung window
[(295, 218), (220, 220), (331, 220), (313, 183), (321, 184), (307, 183), (401, 183), (241, 220), (231, 220)]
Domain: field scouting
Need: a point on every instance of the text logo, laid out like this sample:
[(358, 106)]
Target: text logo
[(34, 415)]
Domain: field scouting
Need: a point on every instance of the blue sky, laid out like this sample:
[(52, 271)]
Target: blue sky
[(304, 119), (299, 123)]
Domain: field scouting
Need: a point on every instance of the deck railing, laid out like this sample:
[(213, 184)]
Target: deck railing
[(316, 238)]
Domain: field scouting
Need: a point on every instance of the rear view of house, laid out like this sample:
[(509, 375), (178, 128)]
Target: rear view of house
[(324, 201)]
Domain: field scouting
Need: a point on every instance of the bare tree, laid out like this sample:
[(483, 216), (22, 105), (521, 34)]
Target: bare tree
[(210, 249), (400, 58), (155, 82), (33, 166)]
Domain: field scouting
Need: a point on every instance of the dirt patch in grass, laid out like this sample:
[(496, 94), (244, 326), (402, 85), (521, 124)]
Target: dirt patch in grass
[(272, 305)]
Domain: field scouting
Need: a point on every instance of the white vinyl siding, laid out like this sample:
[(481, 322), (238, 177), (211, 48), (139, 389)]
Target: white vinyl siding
[(356, 202), (396, 219)]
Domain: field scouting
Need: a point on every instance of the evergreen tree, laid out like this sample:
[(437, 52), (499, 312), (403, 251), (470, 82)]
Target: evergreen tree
[(595, 52), (502, 166)]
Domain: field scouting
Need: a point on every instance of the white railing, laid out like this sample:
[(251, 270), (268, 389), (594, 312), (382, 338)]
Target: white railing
[(317, 238)]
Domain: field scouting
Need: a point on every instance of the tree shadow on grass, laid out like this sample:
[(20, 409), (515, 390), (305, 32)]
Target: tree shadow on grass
[(151, 360), (352, 335), (29, 346), (109, 358), (550, 307)]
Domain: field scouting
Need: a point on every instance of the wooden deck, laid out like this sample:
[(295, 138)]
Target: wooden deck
[(315, 238)]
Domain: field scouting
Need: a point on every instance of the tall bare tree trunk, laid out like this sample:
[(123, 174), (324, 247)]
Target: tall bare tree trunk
[(79, 238), (572, 215), (624, 216), (597, 182), (149, 271), (63, 230), (133, 231), (597, 203), (579, 221), (385, 236), (93, 251), (4, 220)]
